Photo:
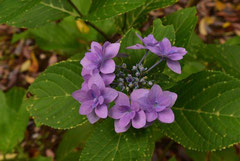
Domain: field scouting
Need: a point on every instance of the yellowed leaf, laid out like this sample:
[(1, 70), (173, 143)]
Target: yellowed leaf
[(204, 23), (226, 24), (82, 27), (25, 66)]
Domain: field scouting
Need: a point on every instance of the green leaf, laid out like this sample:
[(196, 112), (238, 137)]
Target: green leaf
[(160, 31), (224, 57), (33, 13), (72, 140), (105, 144), (233, 41), (136, 17), (83, 5), (133, 56), (14, 119), (206, 112), (52, 103), (184, 22), (224, 155), (41, 158), (103, 9)]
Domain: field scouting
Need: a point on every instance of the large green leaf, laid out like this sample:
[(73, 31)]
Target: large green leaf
[(133, 56), (33, 13), (160, 31), (52, 103), (207, 112), (223, 155), (184, 22), (224, 57), (102, 9), (14, 119), (138, 15), (72, 140), (105, 144)]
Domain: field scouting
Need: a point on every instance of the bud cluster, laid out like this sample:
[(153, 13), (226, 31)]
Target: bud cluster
[(130, 79)]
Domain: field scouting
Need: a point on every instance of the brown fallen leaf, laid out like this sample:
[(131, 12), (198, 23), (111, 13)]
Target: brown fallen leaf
[(29, 79), (34, 63)]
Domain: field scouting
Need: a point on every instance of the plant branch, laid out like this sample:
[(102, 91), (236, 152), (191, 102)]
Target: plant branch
[(87, 22)]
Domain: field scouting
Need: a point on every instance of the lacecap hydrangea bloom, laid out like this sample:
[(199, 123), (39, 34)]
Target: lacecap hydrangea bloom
[(123, 93)]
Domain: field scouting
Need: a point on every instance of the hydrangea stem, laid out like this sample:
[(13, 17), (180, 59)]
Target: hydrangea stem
[(87, 22), (154, 65), (144, 56)]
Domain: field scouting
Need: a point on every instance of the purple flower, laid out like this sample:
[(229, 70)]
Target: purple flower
[(157, 104), (148, 42), (126, 114), (100, 59), (94, 98), (171, 53)]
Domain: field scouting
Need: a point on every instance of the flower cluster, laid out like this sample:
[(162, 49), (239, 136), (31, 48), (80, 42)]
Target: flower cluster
[(147, 101)]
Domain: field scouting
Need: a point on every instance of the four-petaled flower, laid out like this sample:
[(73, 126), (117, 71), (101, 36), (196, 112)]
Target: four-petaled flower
[(157, 104), (95, 98), (100, 59), (126, 113), (172, 54), (148, 42)]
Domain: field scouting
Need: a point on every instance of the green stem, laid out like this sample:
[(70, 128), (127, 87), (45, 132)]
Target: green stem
[(87, 22)]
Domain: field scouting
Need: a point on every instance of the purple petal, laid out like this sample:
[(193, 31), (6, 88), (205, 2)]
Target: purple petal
[(120, 129), (165, 46), (97, 80), (95, 45), (166, 116), (174, 56), (118, 112), (179, 50), (125, 120), (85, 86), (137, 46), (108, 66), (92, 117), (108, 78), (109, 94), (95, 90), (101, 111), (164, 100), (139, 37), (139, 120), (87, 64), (173, 97), (156, 50), (81, 95), (111, 50), (139, 94), (86, 107), (149, 40), (174, 66), (122, 100), (151, 116), (154, 93)]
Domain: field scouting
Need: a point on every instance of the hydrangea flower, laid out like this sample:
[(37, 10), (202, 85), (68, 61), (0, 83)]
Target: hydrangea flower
[(172, 54), (95, 98), (126, 113), (157, 104), (148, 42), (144, 105), (100, 59)]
